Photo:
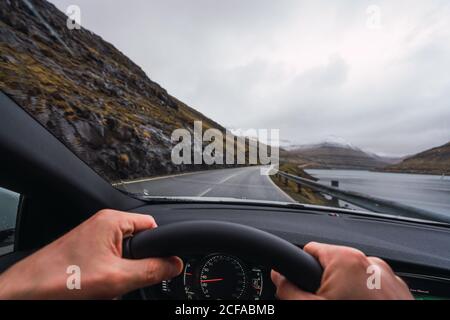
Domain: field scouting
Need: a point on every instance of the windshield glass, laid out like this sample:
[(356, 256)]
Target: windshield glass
[(332, 104)]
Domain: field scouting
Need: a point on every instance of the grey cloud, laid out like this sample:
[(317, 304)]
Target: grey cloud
[(334, 73), (295, 65)]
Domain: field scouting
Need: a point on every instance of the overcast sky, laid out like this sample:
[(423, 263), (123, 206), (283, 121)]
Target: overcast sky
[(312, 69)]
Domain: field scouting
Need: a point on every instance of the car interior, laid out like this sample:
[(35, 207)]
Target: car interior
[(58, 191)]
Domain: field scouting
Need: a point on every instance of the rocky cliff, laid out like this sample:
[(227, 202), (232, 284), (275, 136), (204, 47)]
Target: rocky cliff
[(89, 94)]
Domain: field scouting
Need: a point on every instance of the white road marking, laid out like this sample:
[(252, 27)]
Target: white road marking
[(204, 192), (159, 178), (228, 178), (220, 182), (167, 177)]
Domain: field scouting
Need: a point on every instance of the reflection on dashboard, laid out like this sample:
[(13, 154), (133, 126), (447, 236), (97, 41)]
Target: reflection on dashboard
[(218, 277), (424, 287)]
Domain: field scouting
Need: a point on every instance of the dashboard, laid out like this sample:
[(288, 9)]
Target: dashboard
[(417, 252), (426, 287), (220, 276)]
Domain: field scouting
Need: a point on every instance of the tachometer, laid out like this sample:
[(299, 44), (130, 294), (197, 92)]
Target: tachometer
[(222, 277)]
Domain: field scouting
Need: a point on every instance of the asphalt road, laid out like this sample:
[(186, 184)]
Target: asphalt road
[(241, 183)]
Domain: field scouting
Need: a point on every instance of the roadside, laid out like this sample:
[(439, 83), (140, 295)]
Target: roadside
[(304, 195)]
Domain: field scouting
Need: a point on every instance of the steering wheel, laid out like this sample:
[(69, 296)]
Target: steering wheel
[(200, 237)]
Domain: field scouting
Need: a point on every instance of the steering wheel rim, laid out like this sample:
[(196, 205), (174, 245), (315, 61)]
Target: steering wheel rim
[(201, 237)]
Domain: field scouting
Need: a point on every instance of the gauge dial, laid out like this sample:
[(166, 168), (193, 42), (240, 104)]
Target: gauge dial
[(188, 279), (222, 277)]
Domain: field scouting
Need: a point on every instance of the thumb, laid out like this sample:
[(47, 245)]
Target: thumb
[(147, 272), (288, 291)]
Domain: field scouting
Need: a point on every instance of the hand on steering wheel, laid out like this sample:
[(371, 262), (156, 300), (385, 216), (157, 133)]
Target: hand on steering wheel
[(203, 237)]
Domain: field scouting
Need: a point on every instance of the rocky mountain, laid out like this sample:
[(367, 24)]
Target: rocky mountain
[(433, 161), (334, 155), (89, 94)]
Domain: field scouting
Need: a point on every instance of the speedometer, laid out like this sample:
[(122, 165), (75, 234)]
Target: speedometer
[(222, 277)]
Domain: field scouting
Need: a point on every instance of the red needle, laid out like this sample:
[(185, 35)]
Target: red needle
[(212, 280)]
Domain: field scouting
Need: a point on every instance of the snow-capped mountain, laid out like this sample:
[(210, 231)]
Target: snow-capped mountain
[(335, 153)]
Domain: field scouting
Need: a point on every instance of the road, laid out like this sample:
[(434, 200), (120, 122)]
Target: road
[(241, 183)]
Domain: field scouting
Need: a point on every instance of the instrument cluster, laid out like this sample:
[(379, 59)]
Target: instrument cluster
[(216, 277)]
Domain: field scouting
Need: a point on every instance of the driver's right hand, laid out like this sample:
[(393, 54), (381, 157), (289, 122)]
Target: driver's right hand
[(346, 276)]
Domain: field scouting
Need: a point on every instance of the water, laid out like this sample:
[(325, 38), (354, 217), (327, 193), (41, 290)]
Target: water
[(427, 192), (9, 202)]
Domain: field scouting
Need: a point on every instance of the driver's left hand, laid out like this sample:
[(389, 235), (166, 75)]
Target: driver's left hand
[(96, 248)]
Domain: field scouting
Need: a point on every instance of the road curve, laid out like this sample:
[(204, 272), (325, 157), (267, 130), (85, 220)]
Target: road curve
[(240, 183)]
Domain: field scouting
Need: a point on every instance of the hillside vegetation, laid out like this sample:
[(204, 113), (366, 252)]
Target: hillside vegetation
[(433, 161), (89, 94)]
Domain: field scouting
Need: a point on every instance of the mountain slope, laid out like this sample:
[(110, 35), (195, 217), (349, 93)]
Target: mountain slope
[(89, 94), (334, 156), (433, 161)]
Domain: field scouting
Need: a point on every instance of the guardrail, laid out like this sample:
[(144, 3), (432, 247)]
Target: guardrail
[(361, 200)]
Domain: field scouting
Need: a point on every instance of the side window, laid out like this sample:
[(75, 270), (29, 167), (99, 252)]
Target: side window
[(9, 207)]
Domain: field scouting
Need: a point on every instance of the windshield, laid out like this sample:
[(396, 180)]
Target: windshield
[(331, 104)]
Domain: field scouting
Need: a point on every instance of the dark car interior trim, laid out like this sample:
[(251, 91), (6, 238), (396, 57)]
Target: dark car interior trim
[(36, 164)]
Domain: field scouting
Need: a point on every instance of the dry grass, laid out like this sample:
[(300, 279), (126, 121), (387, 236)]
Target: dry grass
[(306, 195)]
